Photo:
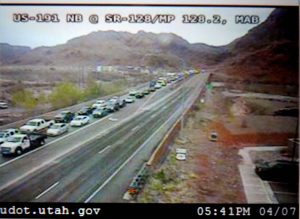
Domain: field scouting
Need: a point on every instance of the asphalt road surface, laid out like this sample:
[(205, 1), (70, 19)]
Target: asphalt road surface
[(86, 163)]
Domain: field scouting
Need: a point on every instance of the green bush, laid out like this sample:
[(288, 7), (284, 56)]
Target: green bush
[(65, 94), (92, 90), (25, 99)]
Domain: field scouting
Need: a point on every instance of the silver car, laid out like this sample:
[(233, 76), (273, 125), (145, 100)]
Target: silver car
[(57, 129)]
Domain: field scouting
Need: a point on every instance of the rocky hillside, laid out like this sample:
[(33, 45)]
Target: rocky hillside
[(9, 53), (122, 48), (268, 52)]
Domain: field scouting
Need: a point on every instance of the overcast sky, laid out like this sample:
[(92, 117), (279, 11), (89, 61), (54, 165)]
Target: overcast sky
[(35, 34)]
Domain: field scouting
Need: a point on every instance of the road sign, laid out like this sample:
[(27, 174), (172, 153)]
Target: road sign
[(209, 86)]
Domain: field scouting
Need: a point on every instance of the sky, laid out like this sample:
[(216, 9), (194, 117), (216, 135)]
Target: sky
[(35, 34)]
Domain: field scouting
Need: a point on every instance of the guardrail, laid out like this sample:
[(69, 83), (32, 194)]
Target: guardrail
[(138, 181), (158, 142), (169, 131)]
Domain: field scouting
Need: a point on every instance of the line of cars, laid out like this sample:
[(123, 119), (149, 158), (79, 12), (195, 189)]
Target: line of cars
[(35, 131)]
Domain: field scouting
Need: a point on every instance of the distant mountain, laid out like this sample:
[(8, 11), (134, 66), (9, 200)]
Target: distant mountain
[(122, 48), (9, 53), (268, 52)]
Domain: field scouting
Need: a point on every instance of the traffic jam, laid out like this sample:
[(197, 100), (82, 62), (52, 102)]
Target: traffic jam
[(16, 141)]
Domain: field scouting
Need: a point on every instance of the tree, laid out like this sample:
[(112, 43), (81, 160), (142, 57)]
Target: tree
[(65, 94), (25, 99), (92, 89)]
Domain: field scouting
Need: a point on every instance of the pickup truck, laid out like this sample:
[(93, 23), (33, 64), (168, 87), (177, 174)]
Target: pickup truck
[(36, 125), (19, 143), (4, 135)]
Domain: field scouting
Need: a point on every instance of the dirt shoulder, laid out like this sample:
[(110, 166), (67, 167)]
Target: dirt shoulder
[(210, 173)]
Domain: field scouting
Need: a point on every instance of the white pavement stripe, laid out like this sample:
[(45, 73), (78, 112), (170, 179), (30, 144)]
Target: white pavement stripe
[(47, 190), (52, 142), (32, 170), (146, 102), (135, 128), (60, 155), (100, 152), (125, 163), (153, 116)]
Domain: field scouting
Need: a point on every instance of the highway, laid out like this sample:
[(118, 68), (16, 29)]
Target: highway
[(86, 163)]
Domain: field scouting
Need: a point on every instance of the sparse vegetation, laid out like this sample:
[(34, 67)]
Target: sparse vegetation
[(92, 89), (65, 94), (25, 99), (112, 87), (260, 107)]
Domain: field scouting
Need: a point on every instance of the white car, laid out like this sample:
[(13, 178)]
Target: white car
[(157, 86), (3, 105), (5, 134), (57, 129), (129, 99), (99, 103), (80, 121), (133, 93)]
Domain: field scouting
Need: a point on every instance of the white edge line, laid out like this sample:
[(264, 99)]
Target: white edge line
[(124, 164), (101, 133), (80, 129), (146, 102), (100, 152), (52, 142), (51, 160), (47, 190)]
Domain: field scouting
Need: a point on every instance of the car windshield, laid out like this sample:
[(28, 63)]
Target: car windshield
[(55, 126), (2, 134), (14, 139), (31, 123), (64, 113)]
